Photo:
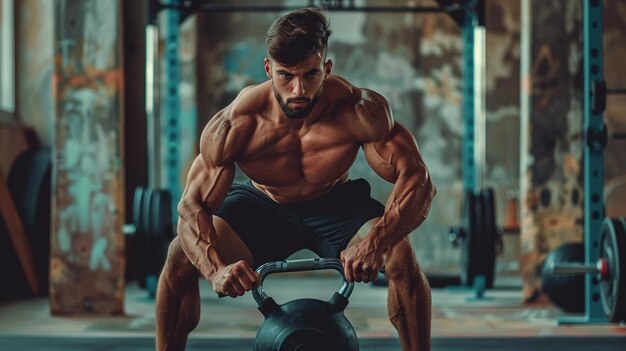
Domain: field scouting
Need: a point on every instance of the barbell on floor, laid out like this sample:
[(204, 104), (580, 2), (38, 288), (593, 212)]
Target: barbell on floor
[(609, 269)]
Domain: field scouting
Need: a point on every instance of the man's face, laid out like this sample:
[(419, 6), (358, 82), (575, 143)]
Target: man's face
[(298, 88)]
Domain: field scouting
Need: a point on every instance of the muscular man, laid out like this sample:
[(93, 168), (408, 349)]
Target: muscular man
[(296, 136)]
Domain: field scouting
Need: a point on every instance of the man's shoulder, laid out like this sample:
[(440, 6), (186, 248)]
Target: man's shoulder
[(349, 95), (251, 100), (366, 112), (340, 89)]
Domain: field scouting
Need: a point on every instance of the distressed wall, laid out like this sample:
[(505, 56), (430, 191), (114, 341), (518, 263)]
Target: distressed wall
[(87, 249)]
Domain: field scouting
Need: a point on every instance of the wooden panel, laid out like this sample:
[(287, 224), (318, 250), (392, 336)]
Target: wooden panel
[(12, 143), (87, 249)]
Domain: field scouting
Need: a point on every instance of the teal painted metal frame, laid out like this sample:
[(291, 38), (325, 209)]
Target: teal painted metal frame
[(593, 154), (172, 107), (469, 167), (172, 99), (593, 124)]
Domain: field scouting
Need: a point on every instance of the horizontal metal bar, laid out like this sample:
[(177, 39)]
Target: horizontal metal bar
[(616, 91), (212, 7), (129, 229), (574, 268), (617, 135)]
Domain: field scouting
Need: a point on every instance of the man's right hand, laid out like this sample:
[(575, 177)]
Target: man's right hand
[(234, 279)]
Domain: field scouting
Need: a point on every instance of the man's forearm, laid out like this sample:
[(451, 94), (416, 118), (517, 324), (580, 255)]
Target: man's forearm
[(198, 239), (406, 209)]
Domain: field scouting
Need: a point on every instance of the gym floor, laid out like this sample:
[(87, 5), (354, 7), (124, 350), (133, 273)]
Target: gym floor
[(460, 321)]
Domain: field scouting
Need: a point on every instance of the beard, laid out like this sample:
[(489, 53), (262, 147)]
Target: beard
[(298, 112)]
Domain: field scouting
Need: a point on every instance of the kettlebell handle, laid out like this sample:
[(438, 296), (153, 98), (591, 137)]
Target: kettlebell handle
[(310, 264)]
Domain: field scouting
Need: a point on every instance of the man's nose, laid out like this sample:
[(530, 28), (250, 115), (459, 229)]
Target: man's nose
[(298, 87)]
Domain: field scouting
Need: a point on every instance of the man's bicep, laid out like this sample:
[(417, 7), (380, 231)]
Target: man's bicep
[(395, 155), (207, 186), (212, 172)]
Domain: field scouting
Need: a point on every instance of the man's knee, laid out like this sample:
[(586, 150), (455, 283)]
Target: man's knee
[(401, 262)]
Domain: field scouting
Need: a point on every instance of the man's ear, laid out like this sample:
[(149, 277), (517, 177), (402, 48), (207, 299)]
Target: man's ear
[(268, 67), (328, 67)]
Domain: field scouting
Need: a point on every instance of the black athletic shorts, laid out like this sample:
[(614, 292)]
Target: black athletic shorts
[(324, 225)]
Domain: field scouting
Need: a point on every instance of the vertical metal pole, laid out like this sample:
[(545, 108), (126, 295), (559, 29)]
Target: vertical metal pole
[(151, 104), (171, 127), (593, 154), (480, 114), (473, 149), (525, 101), (8, 50), (467, 151)]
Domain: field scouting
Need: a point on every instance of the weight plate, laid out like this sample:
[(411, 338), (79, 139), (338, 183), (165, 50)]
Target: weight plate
[(567, 291), (144, 214), (137, 204), (141, 239), (613, 288), (470, 261), (134, 265), (160, 230), (487, 237), (161, 214)]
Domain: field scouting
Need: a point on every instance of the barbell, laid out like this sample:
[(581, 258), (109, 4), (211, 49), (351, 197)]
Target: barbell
[(609, 269)]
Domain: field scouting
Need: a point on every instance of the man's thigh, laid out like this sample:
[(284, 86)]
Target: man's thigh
[(255, 227)]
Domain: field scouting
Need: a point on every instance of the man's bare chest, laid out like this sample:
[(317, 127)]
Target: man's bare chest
[(319, 154)]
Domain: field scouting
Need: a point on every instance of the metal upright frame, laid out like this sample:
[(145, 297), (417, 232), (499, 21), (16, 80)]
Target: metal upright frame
[(595, 141), (473, 142), (468, 14)]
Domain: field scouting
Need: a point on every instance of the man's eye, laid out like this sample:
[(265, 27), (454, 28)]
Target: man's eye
[(286, 75), (312, 75)]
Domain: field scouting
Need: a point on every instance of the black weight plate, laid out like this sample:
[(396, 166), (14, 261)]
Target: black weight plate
[(160, 232), (143, 252), (137, 206), (29, 182), (470, 261), (161, 214), (133, 262), (567, 291), (144, 215), (613, 289), (487, 237)]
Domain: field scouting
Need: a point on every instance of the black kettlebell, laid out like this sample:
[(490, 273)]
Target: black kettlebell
[(304, 324)]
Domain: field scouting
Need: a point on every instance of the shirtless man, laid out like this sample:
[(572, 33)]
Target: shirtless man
[(296, 136)]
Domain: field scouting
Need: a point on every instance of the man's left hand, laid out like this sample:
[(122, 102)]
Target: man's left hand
[(361, 262)]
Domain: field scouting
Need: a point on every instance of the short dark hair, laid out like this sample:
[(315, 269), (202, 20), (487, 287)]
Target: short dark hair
[(297, 35)]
